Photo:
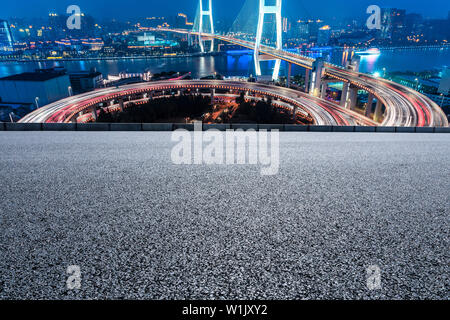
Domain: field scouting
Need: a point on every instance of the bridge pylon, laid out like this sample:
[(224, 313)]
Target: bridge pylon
[(263, 10), (205, 13)]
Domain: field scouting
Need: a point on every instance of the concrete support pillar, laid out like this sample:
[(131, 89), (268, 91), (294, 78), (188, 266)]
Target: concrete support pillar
[(323, 90), (121, 104), (353, 97), (94, 113), (344, 94), (369, 105), (317, 77), (288, 80), (294, 113), (378, 110), (213, 93), (307, 74)]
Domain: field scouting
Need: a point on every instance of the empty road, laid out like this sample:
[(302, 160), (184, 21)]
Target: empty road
[(139, 226)]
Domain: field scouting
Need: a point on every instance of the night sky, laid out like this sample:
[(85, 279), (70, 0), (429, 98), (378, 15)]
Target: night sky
[(223, 8)]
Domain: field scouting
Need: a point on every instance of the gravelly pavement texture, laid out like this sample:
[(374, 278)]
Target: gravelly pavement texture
[(141, 227)]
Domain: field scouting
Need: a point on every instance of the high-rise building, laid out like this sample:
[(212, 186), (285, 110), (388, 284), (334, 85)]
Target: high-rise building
[(307, 30), (413, 21), (323, 36), (301, 31), (6, 38), (393, 24)]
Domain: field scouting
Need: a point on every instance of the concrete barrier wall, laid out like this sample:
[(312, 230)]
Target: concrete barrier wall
[(405, 129), (279, 127), (221, 127), (59, 126), (365, 129), (157, 126), (7, 126), (23, 126), (385, 129), (321, 128), (244, 126), (93, 126), (126, 126), (343, 129)]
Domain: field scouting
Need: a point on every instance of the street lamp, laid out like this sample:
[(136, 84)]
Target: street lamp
[(37, 102), (442, 101), (69, 88), (417, 83)]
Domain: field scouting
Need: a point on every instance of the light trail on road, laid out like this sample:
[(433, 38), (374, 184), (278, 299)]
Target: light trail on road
[(322, 112)]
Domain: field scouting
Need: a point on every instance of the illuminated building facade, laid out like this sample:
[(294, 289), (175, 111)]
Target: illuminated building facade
[(6, 38)]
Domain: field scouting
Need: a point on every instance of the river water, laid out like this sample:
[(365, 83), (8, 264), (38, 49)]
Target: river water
[(240, 63)]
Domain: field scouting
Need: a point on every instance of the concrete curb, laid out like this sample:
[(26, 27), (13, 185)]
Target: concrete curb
[(93, 126), (220, 127), (185, 126), (125, 127), (23, 126), (320, 128), (365, 129), (405, 129), (157, 126), (425, 129), (8, 126), (295, 128), (244, 126), (59, 126), (385, 129), (343, 129), (270, 127), (442, 130)]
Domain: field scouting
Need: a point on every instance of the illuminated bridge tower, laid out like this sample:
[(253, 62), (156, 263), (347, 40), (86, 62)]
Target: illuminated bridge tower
[(205, 13), (263, 10)]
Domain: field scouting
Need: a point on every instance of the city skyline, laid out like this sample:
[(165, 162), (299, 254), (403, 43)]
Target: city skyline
[(224, 9)]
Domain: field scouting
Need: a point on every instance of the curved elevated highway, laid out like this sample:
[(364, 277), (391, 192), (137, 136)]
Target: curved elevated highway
[(404, 106), (74, 108)]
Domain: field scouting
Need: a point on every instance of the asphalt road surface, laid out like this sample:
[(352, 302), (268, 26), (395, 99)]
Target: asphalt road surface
[(139, 226)]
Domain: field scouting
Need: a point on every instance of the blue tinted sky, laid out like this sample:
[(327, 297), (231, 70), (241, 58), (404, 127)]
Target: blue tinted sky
[(141, 8)]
